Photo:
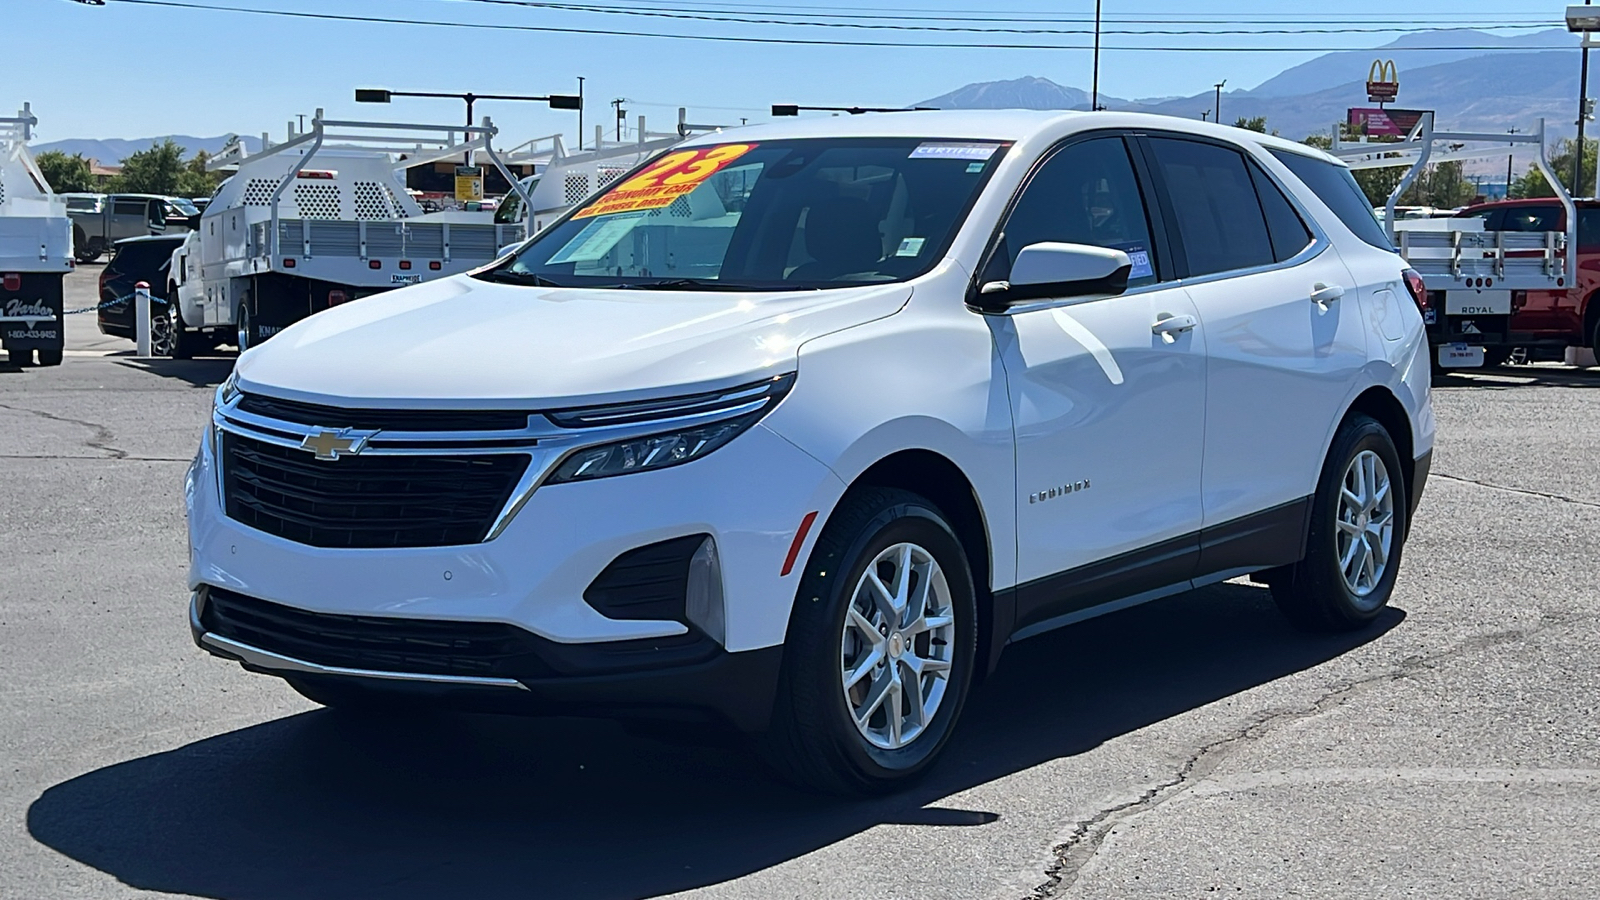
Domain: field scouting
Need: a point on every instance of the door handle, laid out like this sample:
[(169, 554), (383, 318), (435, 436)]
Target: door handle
[(1169, 326), (1323, 294)]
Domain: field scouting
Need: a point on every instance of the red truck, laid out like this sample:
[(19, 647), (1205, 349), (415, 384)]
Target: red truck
[(1544, 323)]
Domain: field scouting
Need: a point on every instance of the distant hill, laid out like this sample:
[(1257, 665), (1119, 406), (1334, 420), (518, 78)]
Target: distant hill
[(1470, 90), (1020, 93), (113, 151)]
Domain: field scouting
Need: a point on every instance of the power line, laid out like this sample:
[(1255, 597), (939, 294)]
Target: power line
[(1491, 18), (749, 39), (745, 19)]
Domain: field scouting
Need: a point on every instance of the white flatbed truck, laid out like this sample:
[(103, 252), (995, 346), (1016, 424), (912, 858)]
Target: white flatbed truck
[(35, 251), (1472, 275), (322, 219)]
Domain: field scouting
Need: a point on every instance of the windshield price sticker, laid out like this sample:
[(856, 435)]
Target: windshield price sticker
[(945, 150), (665, 180)]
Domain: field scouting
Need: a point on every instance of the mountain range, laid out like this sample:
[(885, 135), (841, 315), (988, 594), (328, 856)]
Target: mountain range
[(1470, 90), (113, 151)]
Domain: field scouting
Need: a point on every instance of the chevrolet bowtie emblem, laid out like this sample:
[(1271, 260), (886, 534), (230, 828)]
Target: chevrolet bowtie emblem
[(331, 445)]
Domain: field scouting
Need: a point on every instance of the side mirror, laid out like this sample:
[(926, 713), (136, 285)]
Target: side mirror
[(1051, 270)]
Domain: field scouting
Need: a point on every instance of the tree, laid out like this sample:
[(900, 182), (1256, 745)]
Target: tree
[(194, 180), (1532, 184), (65, 173), (1254, 123), (1442, 185), (153, 171)]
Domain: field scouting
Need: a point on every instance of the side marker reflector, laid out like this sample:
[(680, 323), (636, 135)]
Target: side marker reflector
[(799, 539)]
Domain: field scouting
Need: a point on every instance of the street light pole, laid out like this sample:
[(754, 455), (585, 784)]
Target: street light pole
[(556, 101), (1509, 158), (1583, 116), (580, 112), (1094, 95), (1216, 113)]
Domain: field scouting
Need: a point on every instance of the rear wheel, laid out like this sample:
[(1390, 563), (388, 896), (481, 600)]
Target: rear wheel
[(50, 357), (83, 249), (244, 338), (880, 650), (1496, 356), (20, 358), (1358, 529)]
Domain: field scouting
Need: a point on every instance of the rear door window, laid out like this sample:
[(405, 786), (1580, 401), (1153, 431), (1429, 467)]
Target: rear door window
[(1532, 218), (1336, 187), (1218, 218), (129, 208)]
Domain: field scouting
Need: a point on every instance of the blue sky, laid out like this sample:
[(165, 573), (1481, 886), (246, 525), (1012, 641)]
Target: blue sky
[(125, 70)]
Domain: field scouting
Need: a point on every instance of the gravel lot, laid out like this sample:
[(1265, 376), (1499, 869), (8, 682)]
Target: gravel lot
[(1188, 747)]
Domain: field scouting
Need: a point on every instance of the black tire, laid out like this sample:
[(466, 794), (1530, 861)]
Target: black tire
[(20, 358), (83, 249), (813, 741), (246, 339), (1314, 593), (185, 343), (50, 357), (1496, 356)]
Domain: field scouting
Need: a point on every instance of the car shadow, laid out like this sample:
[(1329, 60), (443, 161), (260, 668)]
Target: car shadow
[(323, 805), (202, 371), (1516, 377)]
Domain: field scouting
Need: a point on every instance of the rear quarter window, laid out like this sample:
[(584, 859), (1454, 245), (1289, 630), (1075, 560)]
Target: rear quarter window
[(1337, 189)]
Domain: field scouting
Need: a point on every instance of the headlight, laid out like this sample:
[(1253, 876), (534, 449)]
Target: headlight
[(229, 390), (743, 407)]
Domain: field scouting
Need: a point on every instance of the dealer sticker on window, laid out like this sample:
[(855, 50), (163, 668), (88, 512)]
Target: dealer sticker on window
[(953, 150), (665, 180)]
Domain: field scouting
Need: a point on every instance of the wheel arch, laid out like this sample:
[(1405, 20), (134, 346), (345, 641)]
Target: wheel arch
[(1591, 319), (932, 475), (1379, 403)]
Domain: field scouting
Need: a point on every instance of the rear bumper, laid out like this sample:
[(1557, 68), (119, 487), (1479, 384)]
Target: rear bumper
[(737, 688)]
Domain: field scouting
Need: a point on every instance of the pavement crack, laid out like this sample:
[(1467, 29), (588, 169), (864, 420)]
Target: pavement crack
[(101, 439), (1089, 834), (1500, 487), (56, 457)]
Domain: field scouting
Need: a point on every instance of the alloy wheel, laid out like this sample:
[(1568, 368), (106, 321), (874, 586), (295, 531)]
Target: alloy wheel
[(161, 334), (897, 646), (1365, 523)]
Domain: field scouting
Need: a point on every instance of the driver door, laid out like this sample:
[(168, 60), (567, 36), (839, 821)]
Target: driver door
[(1107, 397)]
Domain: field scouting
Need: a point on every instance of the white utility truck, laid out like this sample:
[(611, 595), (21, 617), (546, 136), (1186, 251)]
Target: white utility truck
[(35, 250), (562, 179), (1472, 277), (322, 219)]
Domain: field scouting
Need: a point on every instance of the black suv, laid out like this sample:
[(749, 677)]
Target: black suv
[(136, 259)]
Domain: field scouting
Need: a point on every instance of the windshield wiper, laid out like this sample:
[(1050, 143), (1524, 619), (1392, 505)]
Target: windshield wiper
[(529, 279), (690, 284)]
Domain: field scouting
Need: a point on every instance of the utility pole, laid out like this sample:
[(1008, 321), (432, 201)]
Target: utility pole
[(1583, 116), (622, 115), (1216, 113), (1509, 158), (1094, 95), (580, 112)]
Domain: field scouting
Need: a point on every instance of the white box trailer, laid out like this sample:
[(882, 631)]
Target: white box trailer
[(1472, 275), (319, 220), (35, 251)]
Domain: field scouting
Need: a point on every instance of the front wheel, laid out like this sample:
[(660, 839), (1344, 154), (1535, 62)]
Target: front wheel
[(1358, 529), (880, 650)]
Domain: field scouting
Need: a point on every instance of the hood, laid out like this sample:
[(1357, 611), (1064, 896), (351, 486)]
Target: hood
[(460, 343)]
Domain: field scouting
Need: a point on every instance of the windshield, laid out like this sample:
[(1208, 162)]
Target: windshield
[(775, 215), (183, 206), (510, 209)]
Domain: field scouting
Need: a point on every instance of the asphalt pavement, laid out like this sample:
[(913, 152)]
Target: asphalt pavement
[(1190, 747)]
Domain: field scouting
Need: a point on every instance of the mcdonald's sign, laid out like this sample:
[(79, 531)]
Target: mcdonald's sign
[(1383, 82)]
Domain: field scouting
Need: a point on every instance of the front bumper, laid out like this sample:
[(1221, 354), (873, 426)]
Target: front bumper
[(736, 688)]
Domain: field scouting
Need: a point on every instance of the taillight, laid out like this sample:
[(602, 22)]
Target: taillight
[(12, 281), (335, 298), (1414, 284)]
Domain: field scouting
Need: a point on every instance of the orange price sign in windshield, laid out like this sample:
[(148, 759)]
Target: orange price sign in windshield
[(665, 180)]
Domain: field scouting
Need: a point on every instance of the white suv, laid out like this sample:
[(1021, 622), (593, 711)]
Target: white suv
[(798, 426)]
